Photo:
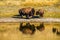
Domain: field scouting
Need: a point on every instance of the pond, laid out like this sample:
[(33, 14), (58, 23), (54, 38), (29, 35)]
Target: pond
[(10, 31)]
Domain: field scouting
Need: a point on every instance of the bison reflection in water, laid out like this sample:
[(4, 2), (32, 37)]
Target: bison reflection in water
[(41, 27), (55, 30), (27, 29), (40, 12), (27, 12), (58, 32)]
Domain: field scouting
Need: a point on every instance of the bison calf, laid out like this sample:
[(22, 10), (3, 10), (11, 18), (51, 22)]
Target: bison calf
[(40, 12)]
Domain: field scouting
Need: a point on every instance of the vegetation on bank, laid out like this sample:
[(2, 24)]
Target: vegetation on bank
[(9, 8)]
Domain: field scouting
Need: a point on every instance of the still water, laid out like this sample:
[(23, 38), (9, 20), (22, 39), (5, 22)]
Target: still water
[(10, 31)]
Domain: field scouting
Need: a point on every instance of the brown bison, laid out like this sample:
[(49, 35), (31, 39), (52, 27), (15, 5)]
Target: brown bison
[(40, 12), (27, 12)]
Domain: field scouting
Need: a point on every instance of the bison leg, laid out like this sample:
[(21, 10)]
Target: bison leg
[(41, 15), (31, 14), (20, 13), (27, 16), (37, 13)]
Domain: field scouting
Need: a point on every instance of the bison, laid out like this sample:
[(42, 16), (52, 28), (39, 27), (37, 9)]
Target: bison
[(40, 12), (27, 12)]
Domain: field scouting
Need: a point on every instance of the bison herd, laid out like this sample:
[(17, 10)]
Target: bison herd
[(29, 12)]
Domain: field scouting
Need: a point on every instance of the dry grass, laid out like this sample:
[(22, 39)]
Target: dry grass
[(9, 8)]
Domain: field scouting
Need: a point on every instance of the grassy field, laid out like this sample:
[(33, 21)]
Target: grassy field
[(10, 31), (13, 10), (9, 8)]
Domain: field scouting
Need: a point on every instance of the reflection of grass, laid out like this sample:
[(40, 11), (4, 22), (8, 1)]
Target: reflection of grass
[(13, 26), (8, 26)]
